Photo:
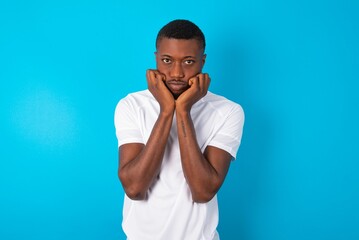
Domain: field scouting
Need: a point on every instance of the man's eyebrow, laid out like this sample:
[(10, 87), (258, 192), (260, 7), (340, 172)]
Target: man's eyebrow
[(166, 55)]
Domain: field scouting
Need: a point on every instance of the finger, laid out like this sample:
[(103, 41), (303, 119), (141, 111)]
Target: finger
[(152, 78), (148, 75), (201, 81), (193, 80), (152, 75), (207, 80), (160, 76), (163, 77), (157, 75), (155, 72)]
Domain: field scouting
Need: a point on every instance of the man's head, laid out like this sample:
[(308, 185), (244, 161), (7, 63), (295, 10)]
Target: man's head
[(180, 54), (181, 29)]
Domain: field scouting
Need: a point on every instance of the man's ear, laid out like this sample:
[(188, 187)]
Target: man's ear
[(204, 59)]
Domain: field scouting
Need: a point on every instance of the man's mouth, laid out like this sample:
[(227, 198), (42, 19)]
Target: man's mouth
[(177, 85)]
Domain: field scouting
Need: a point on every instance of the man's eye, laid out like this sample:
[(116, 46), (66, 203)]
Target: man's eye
[(166, 60), (188, 62)]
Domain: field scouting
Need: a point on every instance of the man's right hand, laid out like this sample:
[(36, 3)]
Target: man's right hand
[(140, 164), (156, 85)]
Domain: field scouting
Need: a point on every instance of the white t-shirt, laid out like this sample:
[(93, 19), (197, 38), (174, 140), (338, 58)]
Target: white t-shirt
[(169, 212)]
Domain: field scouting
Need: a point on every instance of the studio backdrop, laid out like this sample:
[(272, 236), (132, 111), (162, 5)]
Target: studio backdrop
[(292, 65)]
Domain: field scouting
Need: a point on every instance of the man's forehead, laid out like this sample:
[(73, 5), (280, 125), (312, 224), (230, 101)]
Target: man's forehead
[(169, 46)]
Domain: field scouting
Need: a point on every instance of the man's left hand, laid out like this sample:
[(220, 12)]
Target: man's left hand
[(198, 89)]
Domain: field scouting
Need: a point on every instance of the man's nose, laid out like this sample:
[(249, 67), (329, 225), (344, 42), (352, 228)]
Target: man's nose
[(177, 71)]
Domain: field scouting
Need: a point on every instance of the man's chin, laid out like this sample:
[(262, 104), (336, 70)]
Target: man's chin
[(176, 95)]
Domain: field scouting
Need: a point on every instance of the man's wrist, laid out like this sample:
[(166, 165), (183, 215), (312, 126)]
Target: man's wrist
[(181, 111), (168, 112)]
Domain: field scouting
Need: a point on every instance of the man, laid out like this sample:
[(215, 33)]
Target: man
[(176, 141)]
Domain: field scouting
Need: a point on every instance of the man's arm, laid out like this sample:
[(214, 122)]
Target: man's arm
[(205, 172), (139, 163)]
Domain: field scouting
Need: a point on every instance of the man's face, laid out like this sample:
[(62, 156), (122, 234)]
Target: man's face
[(179, 60)]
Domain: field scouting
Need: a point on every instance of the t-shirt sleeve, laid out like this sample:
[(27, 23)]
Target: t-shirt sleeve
[(126, 124), (229, 135)]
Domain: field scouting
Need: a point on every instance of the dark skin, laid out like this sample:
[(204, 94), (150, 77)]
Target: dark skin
[(177, 84)]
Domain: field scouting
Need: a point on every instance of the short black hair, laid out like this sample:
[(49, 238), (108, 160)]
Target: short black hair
[(181, 29)]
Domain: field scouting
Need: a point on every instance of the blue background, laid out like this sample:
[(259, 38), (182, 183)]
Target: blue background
[(292, 65)]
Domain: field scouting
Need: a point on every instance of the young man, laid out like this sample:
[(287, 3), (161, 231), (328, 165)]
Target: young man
[(176, 141)]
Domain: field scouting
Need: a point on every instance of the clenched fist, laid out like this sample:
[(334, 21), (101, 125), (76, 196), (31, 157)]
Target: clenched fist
[(156, 85), (198, 89)]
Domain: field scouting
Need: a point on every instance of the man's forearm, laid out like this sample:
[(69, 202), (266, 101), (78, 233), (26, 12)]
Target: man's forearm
[(201, 176), (138, 174)]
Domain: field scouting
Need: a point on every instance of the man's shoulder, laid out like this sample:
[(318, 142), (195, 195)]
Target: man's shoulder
[(135, 100), (138, 98), (141, 95), (221, 103)]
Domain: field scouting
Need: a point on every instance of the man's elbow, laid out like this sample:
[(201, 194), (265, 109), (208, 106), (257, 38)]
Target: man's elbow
[(203, 197), (135, 195), (204, 194), (133, 190)]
